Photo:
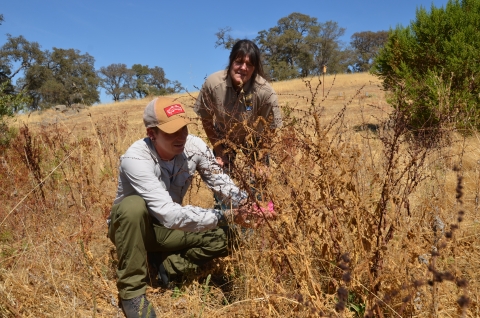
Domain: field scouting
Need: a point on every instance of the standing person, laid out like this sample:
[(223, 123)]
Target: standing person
[(232, 101), (147, 215)]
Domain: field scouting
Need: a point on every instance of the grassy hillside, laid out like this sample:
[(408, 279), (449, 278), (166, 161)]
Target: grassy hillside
[(371, 221)]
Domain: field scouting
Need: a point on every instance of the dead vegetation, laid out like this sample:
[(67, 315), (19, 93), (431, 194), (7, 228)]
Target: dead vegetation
[(370, 221)]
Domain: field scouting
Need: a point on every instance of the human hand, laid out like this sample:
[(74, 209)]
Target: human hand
[(262, 171), (220, 161), (267, 212), (220, 157), (252, 216)]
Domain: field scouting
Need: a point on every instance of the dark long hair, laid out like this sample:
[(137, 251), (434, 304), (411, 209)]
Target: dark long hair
[(247, 48)]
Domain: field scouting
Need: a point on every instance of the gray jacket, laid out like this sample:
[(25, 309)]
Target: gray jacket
[(163, 184)]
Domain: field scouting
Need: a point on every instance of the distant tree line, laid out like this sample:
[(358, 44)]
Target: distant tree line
[(300, 46), (45, 78), (139, 81)]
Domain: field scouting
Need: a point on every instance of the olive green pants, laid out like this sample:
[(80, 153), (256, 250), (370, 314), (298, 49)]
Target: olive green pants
[(134, 233)]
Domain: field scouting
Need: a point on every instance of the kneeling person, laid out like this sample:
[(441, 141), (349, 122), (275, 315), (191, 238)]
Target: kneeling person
[(147, 216)]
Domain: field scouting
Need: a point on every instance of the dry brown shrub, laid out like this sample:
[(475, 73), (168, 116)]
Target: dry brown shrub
[(363, 215)]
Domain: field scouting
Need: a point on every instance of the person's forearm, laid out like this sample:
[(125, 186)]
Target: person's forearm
[(212, 135), (226, 217), (246, 216)]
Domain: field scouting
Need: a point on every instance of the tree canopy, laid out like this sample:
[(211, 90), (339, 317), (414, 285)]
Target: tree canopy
[(432, 66), (18, 54), (64, 77), (117, 80), (10, 100), (35, 79), (139, 81), (366, 45), (299, 45)]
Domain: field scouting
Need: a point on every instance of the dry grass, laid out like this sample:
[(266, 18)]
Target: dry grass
[(343, 183)]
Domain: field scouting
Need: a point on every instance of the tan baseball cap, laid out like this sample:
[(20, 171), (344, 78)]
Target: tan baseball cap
[(166, 113)]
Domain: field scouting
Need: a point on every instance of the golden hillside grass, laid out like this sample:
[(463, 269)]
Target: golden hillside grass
[(363, 89), (342, 183)]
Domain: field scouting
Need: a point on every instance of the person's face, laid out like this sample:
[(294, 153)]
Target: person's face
[(168, 145), (241, 71)]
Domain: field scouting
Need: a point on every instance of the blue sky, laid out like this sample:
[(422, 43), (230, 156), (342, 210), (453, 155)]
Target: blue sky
[(179, 36)]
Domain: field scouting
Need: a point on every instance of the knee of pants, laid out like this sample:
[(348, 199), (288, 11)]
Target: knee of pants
[(132, 209)]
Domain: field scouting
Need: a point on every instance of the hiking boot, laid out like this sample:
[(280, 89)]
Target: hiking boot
[(138, 307), (163, 277)]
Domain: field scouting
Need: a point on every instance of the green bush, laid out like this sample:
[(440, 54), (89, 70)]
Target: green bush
[(431, 67), (7, 134), (9, 104)]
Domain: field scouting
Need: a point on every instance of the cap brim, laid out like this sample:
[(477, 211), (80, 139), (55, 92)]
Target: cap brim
[(174, 125)]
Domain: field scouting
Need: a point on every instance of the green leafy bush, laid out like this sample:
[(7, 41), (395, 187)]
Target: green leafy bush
[(431, 67), (9, 104)]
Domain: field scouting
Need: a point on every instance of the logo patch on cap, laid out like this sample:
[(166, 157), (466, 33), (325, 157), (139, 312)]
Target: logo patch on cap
[(173, 110)]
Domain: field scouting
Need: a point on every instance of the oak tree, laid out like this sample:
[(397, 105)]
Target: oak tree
[(366, 45), (117, 80), (297, 46)]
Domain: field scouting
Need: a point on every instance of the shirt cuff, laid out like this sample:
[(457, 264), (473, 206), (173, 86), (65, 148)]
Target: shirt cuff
[(221, 219)]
